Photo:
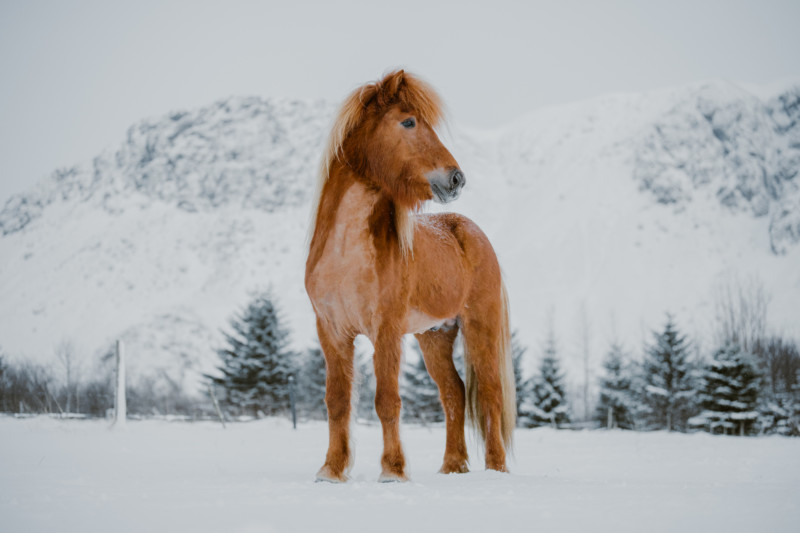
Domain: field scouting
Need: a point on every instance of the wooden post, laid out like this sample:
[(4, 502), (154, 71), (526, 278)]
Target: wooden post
[(120, 404), (292, 402), (216, 405), (610, 423)]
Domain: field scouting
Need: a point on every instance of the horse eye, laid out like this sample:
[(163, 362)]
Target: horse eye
[(409, 123)]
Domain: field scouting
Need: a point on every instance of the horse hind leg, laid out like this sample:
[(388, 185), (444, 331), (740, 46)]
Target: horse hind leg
[(338, 385), (437, 350)]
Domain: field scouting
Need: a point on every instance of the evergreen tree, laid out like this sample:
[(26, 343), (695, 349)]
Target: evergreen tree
[(5, 396), (257, 363), (617, 403), (311, 385), (793, 424), (517, 353), (364, 387), (419, 392), (544, 401), (668, 385), (729, 392)]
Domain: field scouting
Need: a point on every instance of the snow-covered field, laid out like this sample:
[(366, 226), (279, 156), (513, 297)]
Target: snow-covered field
[(154, 476)]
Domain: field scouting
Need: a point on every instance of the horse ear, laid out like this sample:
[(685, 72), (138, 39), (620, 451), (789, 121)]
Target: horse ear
[(390, 86)]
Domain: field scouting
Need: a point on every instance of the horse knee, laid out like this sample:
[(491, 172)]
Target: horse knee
[(387, 405), (338, 407)]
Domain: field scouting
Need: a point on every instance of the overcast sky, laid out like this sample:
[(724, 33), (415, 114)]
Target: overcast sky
[(75, 74)]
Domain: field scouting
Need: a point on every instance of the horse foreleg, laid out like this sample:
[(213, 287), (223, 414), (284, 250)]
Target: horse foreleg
[(437, 349), (338, 385), (388, 353)]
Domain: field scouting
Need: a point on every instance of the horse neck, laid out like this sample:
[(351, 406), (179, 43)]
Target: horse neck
[(340, 180)]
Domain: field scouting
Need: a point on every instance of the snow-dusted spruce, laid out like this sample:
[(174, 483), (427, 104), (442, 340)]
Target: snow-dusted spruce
[(668, 383), (257, 363), (365, 388), (617, 405), (419, 392), (780, 412), (517, 353), (311, 385), (729, 393), (544, 401)]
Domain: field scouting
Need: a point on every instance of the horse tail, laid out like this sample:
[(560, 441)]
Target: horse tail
[(505, 368), (508, 383)]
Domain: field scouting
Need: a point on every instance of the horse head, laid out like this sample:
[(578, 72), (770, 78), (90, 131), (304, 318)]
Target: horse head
[(386, 135)]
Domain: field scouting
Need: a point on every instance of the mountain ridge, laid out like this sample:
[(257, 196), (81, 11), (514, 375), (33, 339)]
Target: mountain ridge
[(160, 240)]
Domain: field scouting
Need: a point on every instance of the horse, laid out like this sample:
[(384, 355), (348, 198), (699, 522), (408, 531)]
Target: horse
[(379, 267)]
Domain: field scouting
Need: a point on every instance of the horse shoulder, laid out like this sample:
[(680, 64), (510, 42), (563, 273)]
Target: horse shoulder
[(342, 282)]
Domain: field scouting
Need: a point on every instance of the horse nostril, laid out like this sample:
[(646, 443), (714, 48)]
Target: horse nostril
[(457, 179)]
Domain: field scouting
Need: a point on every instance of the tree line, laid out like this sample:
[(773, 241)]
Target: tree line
[(749, 383), (67, 389)]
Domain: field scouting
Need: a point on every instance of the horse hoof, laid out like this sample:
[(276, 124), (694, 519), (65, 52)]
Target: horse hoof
[(392, 477), (325, 474), (454, 468), (498, 468)]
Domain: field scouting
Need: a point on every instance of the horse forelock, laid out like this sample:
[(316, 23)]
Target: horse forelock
[(397, 87)]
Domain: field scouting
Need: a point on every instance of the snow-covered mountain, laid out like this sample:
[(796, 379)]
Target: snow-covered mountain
[(607, 212)]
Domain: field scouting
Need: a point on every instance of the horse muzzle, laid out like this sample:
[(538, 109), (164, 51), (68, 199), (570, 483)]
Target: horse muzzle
[(446, 185)]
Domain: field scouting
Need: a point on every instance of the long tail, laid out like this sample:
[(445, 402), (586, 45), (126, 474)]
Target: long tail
[(508, 418)]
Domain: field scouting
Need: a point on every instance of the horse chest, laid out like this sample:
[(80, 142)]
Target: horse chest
[(343, 283)]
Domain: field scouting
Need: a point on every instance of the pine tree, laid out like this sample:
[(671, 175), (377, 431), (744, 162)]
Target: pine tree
[(257, 363), (729, 392), (5, 396), (617, 404), (517, 353), (364, 387), (311, 389), (793, 424), (779, 411), (544, 401), (668, 385), (419, 392)]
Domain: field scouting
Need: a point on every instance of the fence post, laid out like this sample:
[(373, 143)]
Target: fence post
[(216, 405), (292, 402), (120, 404)]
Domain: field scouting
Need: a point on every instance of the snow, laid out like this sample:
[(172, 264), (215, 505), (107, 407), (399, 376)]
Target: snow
[(80, 475)]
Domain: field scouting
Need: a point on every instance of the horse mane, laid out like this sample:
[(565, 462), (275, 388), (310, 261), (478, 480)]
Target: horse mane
[(396, 87)]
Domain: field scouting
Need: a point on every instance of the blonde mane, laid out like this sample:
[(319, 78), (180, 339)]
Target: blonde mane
[(394, 87)]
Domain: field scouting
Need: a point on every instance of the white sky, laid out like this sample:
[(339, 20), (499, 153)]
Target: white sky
[(75, 74)]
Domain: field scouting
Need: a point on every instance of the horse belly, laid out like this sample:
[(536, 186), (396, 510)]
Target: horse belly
[(419, 322)]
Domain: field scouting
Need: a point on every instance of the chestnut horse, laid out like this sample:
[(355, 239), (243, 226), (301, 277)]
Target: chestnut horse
[(378, 267)]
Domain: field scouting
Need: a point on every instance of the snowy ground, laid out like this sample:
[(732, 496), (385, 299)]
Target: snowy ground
[(158, 476)]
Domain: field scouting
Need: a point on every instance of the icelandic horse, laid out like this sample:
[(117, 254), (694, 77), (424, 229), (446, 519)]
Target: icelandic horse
[(376, 266)]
